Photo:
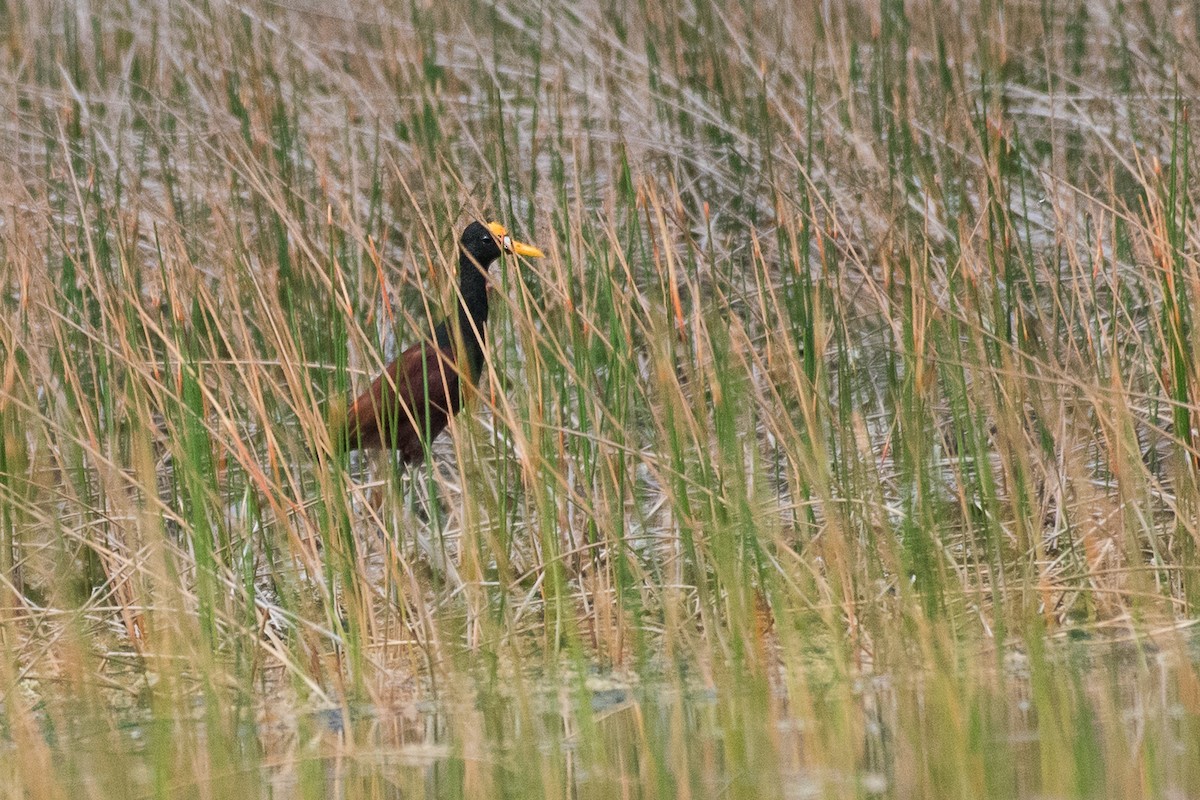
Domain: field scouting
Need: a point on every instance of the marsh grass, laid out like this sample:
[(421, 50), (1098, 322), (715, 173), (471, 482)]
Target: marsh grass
[(843, 445)]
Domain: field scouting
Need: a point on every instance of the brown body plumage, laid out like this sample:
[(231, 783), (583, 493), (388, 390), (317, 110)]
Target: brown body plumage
[(412, 401)]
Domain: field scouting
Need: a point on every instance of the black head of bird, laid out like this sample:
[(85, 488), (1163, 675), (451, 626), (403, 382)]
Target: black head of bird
[(407, 406)]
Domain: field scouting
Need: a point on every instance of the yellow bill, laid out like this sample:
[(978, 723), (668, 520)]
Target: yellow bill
[(506, 241)]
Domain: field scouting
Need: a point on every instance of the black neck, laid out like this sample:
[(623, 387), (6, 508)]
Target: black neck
[(472, 285), (472, 309)]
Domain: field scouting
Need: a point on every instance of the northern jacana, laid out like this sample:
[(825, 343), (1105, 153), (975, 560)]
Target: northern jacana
[(410, 403)]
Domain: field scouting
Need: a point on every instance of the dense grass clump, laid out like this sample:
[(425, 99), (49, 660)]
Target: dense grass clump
[(844, 445)]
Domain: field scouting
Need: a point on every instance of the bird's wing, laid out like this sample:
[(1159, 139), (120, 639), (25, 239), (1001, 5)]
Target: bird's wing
[(410, 401)]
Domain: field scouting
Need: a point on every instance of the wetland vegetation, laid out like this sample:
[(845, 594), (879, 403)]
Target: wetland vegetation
[(843, 445)]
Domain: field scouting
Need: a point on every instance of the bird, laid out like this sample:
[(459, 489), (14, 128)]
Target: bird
[(409, 405)]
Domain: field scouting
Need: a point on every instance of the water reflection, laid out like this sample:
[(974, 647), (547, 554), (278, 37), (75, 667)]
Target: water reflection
[(1077, 719), (1083, 718)]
